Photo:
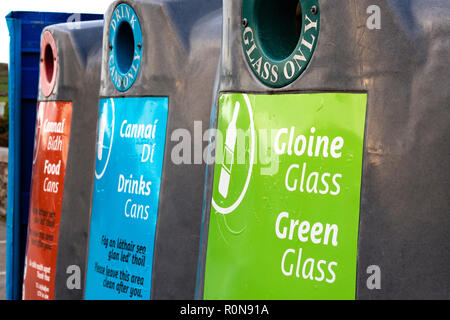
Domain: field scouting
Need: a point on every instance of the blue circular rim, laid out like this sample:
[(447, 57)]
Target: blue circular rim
[(124, 13)]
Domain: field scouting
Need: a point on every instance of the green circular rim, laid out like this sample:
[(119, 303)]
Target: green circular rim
[(278, 72)]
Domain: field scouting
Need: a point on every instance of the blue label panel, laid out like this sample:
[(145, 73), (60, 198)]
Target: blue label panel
[(130, 154)]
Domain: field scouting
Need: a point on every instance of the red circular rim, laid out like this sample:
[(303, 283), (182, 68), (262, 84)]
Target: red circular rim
[(49, 64)]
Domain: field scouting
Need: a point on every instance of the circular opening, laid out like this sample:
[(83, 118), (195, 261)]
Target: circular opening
[(279, 26), (124, 47), (49, 63)]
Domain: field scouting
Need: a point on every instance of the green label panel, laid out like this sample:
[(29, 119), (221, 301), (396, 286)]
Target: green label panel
[(285, 209)]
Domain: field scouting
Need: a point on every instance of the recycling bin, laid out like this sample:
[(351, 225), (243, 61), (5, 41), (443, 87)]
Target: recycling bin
[(63, 161), (25, 30), (330, 175), (159, 66)]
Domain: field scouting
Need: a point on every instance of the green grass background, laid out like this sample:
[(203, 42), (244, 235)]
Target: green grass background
[(3, 81)]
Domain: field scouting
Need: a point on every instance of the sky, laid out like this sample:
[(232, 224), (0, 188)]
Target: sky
[(75, 6)]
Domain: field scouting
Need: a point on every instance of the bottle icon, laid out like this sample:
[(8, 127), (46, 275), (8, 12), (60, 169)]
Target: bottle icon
[(230, 145), (101, 136)]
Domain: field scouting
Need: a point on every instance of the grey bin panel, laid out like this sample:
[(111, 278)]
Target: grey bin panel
[(78, 81), (403, 67), (181, 48)]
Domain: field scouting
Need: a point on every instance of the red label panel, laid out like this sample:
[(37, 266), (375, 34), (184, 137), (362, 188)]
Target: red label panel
[(51, 147)]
